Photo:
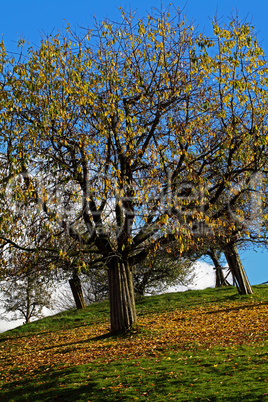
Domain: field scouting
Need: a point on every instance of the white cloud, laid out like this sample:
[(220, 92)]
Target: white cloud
[(204, 278), (6, 325)]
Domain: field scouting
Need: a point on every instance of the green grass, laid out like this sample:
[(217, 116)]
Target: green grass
[(99, 312), (190, 371), (69, 319), (220, 375)]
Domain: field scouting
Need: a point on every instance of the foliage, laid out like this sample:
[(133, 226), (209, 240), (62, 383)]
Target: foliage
[(160, 271), (134, 135), (94, 285), (24, 297), (25, 280), (195, 345), (154, 275)]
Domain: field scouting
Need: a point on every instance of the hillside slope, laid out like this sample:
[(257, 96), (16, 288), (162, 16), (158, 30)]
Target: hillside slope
[(209, 345)]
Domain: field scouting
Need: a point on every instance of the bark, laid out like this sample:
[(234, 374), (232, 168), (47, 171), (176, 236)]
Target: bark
[(76, 288), (220, 279), (237, 269), (140, 290), (27, 316), (121, 294)]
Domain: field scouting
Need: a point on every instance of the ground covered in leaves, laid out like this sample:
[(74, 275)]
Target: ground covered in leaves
[(207, 345)]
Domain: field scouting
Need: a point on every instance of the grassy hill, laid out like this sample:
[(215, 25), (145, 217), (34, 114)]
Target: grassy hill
[(209, 345)]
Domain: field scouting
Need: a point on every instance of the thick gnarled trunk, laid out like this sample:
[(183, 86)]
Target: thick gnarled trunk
[(121, 293), (237, 269)]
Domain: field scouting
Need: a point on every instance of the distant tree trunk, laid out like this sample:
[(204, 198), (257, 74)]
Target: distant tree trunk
[(121, 294), (140, 290), (237, 269), (220, 279), (140, 283), (28, 313), (28, 304), (76, 288)]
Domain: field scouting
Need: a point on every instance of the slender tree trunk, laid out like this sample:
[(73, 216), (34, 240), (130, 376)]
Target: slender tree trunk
[(140, 290), (139, 286), (76, 288), (220, 279), (237, 269), (28, 302), (121, 294)]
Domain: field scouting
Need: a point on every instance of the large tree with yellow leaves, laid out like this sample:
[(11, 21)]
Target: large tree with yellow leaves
[(131, 136)]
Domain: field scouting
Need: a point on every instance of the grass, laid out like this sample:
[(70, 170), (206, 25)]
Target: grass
[(208, 345)]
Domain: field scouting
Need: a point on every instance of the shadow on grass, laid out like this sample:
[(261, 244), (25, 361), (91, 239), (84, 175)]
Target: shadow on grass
[(58, 385), (237, 308), (125, 381), (108, 335), (187, 299), (247, 398)]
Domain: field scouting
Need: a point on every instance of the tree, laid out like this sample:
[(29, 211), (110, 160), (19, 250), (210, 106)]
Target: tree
[(140, 130), (53, 255), (241, 115), (95, 284), (160, 271), (155, 274), (237, 268), (25, 297), (25, 279), (249, 223), (215, 257)]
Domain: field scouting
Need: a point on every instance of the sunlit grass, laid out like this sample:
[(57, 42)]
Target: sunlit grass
[(206, 345)]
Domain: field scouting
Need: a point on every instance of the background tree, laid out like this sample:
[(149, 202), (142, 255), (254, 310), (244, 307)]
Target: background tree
[(25, 297), (240, 120), (221, 279), (55, 256), (160, 271)]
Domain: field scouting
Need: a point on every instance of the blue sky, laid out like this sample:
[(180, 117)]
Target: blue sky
[(30, 18)]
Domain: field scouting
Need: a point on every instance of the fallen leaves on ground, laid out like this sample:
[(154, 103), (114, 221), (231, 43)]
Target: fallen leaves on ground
[(227, 325)]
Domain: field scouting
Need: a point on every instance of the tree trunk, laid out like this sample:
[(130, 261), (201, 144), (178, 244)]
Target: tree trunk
[(140, 283), (76, 288), (121, 294), (220, 279), (27, 315), (237, 269)]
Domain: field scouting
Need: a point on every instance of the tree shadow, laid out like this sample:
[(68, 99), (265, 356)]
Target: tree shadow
[(58, 385), (237, 308), (107, 335)]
